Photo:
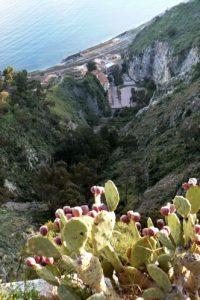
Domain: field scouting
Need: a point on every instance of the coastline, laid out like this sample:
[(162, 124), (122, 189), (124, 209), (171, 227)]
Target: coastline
[(117, 44)]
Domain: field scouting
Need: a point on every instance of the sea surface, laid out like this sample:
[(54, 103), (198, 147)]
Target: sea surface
[(35, 34)]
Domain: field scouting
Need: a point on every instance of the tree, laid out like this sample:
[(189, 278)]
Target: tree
[(91, 66), (21, 81), (8, 73)]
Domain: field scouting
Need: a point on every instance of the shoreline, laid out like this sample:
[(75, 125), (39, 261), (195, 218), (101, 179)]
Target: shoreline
[(117, 44)]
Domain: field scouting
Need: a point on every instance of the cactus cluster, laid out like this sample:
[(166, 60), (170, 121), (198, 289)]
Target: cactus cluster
[(79, 254)]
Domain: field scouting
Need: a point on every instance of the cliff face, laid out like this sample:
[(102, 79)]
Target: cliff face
[(157, 62), (167, 47)]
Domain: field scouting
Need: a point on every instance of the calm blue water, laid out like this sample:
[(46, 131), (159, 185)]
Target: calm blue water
[(40, 33)]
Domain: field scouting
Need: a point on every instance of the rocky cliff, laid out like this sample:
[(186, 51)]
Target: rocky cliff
[(157, 62), (169, 46)]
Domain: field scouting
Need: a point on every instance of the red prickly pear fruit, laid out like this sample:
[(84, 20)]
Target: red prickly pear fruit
[(165, 210), (95, 207), (43, 261), (67, 209), (138, 225), (197, 240), (136, 217), (77, 211), (103, 207), (92, 214), (57, 222), (192, 182), (160, 223), (44, 230), (197, 229), (172, 208), (30, 262), (130, 214), (97, 190), (69, 216), (49, 260), (94, 190), (152, 231), (38, 259), (145, 231), (85, 209), (185, 186), (124, 219), (58, 241)]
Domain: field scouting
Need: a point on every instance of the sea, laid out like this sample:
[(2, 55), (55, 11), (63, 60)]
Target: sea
[(36, 34)]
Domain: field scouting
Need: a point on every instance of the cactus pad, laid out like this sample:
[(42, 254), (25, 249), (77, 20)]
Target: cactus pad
[(149, 222), (42, 246), (165, 241), (75, 235), (142, 251), (102, 229), (89, 270), (112, 195), (160, 277), (188, 228), (175, 228), (193, 195), (131, 275), (50, 274), (153, 293), (182, 205), (164, 261)]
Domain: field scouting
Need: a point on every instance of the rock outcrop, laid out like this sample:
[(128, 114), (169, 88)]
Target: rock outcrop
[(158, 62)]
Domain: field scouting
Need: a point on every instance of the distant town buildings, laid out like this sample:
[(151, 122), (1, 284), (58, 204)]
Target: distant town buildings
[(102, 78)]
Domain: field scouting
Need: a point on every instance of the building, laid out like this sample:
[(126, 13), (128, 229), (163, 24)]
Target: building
[(102, 78)]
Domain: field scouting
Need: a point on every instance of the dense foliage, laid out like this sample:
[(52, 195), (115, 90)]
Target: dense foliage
[(179, 26), (39, 127)]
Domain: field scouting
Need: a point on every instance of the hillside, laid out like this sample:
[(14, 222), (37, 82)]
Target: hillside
[(178, 26), (35, 121), (169, 46), (159, 136)]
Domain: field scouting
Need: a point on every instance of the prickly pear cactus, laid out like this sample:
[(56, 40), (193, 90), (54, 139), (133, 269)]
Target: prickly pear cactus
[(82, 248), (75, 235), (39, 245), (182, 205), (102, 229), (193, 195), (166, 242), (112, 195), (89, 270), (160, 277), (153, 293), (164, 261), (142, 251), (175, 228), (50, 274), (188, 228)]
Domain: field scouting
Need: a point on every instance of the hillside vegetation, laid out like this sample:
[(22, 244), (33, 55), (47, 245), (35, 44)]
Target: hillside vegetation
[(35, 123), (179, 26)]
